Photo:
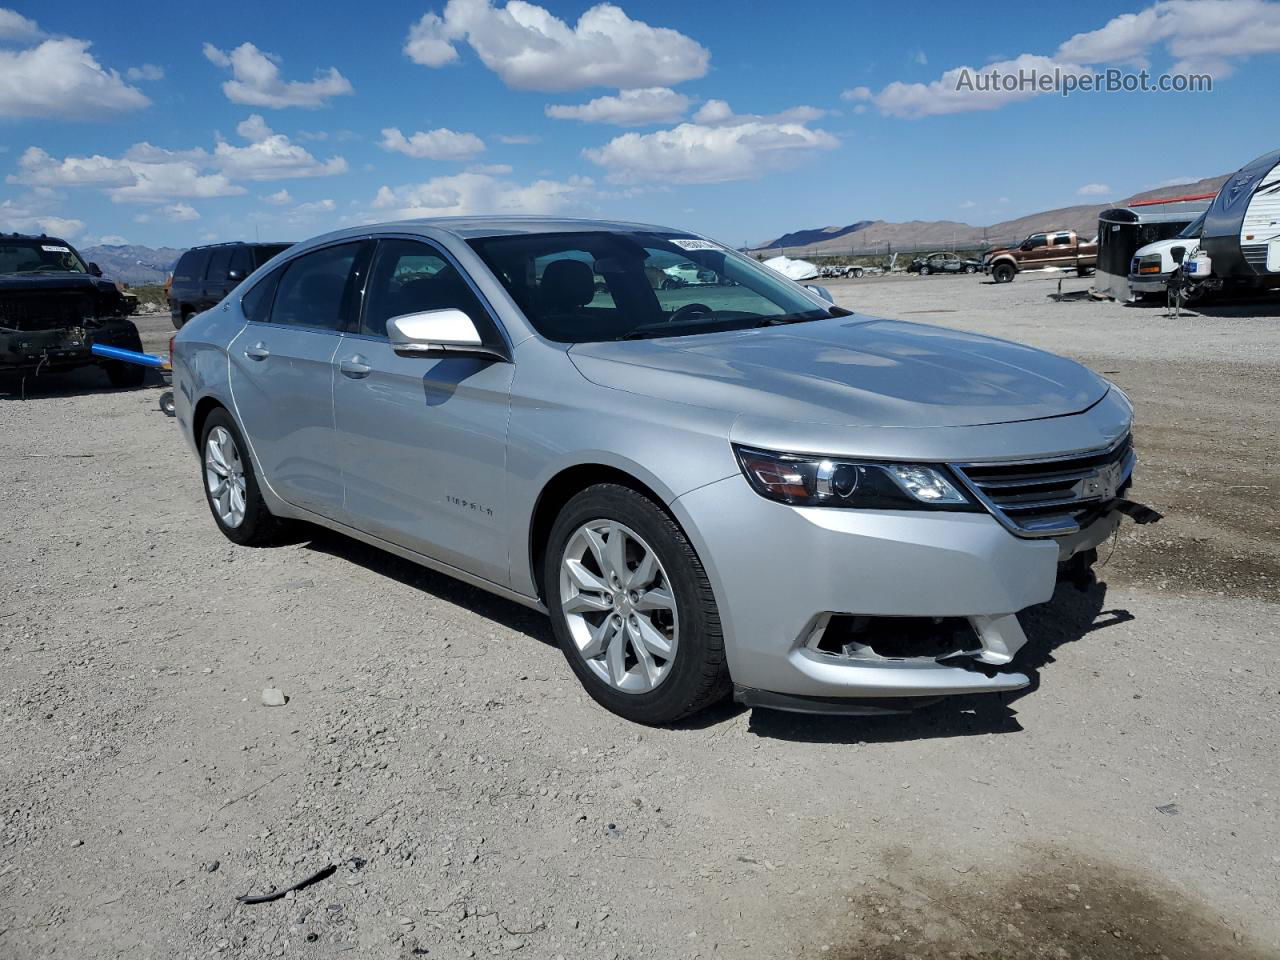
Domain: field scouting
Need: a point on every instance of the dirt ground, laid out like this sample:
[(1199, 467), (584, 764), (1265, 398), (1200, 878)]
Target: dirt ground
[(437, 750)]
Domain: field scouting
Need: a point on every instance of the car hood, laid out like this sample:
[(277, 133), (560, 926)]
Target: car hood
[(849, 370), (27, 283), (1164, 246)]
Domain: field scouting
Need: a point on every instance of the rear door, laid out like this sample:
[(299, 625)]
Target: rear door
[(422, 440), (215, 277), (282, 371)]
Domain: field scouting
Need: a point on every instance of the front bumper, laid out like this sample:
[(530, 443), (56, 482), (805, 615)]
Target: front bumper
[(1149, 282), (778, 571)]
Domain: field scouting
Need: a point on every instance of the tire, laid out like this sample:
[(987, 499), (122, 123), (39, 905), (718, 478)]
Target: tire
[(123, 375), (970, 268), (166, 404), (857, 273), (696, 675), (1083, 271), (257, 526), (1002, 272), (925, 270)]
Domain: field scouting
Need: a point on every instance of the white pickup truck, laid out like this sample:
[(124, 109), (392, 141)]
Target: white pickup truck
[(1154, 264)]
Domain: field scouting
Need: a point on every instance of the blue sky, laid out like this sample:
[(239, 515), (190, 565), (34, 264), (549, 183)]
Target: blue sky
[(283, 120)]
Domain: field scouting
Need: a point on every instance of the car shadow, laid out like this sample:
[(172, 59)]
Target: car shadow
[(1069, 616), (80, 382), (507, 613)]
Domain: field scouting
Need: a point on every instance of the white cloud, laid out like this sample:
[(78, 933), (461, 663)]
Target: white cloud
[(14, 26), (59, 78), (630, 108), (469, 193), (441, 144), (314, 207), (960, 90), (718, 145), (532, 49), (967, 205), (1094, 190), (279, 198), (270, 156), (113, 240), (151, 174), (29, 214), (1202, 35), (146, 72), (257, 83), (919, 56), (180, 211)]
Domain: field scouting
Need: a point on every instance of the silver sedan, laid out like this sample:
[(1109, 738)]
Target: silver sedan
[(729, 487)]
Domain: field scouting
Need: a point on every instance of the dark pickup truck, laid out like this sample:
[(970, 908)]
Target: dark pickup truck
[(54, 307)]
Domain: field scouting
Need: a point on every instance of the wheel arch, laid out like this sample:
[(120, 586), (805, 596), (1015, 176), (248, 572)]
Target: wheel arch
[(200, 413), (563, 487)]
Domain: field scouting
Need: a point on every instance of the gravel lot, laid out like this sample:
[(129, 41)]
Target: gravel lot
[(437, 750)]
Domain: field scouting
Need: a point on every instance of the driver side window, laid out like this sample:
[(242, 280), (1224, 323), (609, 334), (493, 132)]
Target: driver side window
[(412, 276)]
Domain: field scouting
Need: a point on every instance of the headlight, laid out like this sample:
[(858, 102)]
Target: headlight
[(865, 485)]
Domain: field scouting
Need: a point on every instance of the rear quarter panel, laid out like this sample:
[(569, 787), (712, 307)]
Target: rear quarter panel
[(200, 363)]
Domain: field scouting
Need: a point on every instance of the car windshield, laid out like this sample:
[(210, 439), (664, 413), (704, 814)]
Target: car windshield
[(1193, 229), (618, 285), (38, 255)]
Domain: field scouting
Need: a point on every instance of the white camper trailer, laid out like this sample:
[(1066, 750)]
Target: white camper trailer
[(1240, 246)]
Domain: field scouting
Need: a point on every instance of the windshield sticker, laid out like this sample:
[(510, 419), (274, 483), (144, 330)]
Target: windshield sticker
[(51, 249), (688, 243)]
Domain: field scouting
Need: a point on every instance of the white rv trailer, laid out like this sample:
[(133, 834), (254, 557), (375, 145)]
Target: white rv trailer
[(1240, 245)]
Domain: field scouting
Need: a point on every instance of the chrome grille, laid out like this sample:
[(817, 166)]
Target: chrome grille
[(1049, 498), (44, 312)]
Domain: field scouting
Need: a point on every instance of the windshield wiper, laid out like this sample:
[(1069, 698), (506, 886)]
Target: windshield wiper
[(785, 319)]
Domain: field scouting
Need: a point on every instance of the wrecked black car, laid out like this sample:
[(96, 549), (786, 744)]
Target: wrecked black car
[(54, 307)]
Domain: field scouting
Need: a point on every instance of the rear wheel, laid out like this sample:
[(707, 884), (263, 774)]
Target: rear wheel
[(857, 273), (970, 268), (1002, 272), (632, 608), (230, 485)]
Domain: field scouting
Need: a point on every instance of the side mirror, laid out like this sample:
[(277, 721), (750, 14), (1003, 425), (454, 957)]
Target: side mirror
[(437, 333), (823, 292), (95, 270), (1178, 253)]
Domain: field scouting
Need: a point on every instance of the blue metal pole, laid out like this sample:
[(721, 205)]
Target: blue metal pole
[(128, 356)]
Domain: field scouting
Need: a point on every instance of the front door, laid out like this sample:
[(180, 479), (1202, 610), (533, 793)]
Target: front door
[(422, 440), (282, 373)]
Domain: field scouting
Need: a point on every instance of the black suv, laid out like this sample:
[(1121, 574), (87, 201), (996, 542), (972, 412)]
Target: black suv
[(54, 307), (204, 275)]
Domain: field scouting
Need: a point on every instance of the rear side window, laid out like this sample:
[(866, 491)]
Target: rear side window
[(257, 302), (241, 263), (190, 268), (410, 276), (219, 264), (313, 290), (263, 252), (1062, 239)]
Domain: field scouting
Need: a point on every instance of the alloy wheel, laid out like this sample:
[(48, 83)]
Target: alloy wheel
[(619, 606), (224, 476)]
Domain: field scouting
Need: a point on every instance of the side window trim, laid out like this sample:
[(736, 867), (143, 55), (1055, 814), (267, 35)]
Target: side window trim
[(504, 344), (279, 271)]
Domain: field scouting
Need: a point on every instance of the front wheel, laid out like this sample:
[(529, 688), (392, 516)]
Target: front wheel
[(1002, 272), (126, 375), (632, 608), (926, 270), (970, 268)]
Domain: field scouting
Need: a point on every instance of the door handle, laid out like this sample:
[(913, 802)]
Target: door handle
[(355, 367), (258, 351)]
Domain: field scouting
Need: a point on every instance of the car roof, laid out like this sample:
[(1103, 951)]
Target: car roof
[(470, 228)]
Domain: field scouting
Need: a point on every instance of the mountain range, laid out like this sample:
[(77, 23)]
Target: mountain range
[(134, 265), (865, 235)]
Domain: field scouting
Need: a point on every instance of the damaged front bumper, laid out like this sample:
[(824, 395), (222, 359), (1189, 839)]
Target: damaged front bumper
[(60, 348), (829, 611)]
